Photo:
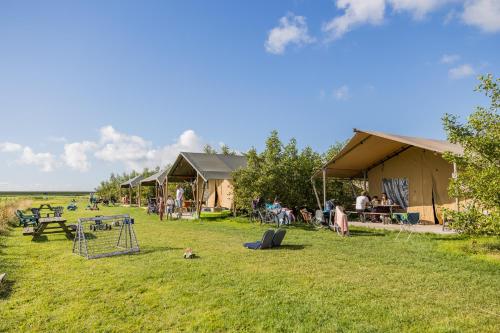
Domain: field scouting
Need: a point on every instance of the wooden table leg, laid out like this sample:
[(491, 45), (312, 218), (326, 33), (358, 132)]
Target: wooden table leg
[(38, 231), (66, 229)]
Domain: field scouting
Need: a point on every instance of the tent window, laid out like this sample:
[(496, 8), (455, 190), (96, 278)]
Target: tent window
[(397, 190)]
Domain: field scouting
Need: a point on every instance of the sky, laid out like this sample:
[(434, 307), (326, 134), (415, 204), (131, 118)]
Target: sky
[(93, 87)]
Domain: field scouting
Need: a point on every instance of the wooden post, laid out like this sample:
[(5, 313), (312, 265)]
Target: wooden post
[(352, 189), (316, 193), (455, 175), (364, 180), (139, 196), (165, 190), (324, 188), (130, 195)]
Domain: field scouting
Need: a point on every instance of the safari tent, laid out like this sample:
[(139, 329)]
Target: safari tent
[(157, 180), (131, 184), (210, 175), (410, 170)]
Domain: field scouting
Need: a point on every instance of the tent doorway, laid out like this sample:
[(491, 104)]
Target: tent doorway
[(434, 209)]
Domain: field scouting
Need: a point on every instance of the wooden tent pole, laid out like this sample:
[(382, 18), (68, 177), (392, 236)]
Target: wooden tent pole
[(316, 193), (364, 180), (324, 187), (455, 175), (139, 196)]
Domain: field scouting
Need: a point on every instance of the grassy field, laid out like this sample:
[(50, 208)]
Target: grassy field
[(318, 282)]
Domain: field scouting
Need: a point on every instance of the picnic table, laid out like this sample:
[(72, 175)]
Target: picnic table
[(384, 211), (49, 225)]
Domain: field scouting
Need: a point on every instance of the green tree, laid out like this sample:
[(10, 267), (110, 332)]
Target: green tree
[(283, 172), (208, 149), (477, 182)]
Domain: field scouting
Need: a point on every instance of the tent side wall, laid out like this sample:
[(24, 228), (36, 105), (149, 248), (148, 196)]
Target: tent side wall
[(428, 174), (224, 189)]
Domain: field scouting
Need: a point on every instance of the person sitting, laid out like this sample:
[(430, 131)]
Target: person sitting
[(362, 204), (384, 200), (375, 202)]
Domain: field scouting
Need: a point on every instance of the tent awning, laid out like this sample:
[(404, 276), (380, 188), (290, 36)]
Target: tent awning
[(367, 149), (157, 178), (133, 182), (208, 166)]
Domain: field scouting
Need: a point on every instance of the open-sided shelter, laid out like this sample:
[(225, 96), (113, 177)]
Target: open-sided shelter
[(131, 184), (410, 170), (211, 175), (157, 180)]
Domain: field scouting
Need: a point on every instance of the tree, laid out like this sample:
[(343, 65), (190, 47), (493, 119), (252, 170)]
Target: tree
[(208, 149), (283, 172), (477, 182)]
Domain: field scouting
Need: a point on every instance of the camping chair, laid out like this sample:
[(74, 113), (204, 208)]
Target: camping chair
[(72, 206), (265, 243), (407, 221), (26, 220), (278, 237)]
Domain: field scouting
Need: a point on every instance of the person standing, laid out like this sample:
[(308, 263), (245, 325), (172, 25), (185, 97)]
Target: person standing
[(179, 197), (161, 207)]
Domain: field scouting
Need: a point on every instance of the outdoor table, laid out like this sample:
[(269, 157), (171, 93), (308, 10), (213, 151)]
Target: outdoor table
[(59, 227)]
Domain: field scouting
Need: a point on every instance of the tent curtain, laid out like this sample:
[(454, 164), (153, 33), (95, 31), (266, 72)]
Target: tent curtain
[(397, 190)]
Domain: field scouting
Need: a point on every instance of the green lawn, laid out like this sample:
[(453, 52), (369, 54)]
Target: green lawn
[(318, 282)]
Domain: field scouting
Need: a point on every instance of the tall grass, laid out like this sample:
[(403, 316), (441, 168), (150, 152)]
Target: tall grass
[(8, 210)]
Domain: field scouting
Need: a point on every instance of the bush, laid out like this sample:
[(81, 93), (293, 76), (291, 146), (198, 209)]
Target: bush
[(478, 178)]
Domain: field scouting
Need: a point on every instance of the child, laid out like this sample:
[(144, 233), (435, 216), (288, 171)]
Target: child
[(170, 206)]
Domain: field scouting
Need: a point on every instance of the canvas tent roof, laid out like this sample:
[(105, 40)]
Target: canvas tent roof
[(158, 177), (208, 166), (133, 182), (367, 149)]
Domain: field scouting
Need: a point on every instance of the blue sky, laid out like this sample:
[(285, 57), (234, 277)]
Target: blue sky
[(91, 87)]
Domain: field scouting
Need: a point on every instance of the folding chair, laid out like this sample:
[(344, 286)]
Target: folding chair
[(407, 222)]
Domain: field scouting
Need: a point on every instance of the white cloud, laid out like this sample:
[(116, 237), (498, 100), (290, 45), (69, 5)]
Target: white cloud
[(449, 58), (461, 71), (418, 8), (356, 12), (342, 93), (9, 147), (484, 14), (75, 154), (137, 153), (46, 161), (292, 29)]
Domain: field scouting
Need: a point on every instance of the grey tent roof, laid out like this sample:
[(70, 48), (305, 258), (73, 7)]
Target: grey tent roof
[(158, 177), (208, 166), (367, 149), (133, 182)]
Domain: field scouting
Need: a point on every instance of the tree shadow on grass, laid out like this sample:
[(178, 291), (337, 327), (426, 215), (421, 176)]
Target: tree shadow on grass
[(153, 249), (366, 233), (292, 247), (6, 288)]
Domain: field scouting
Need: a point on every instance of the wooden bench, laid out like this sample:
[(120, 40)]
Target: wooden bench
[(28, 231), (365, 214)]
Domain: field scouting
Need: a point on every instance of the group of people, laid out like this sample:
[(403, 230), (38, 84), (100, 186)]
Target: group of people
[(168, 206), (366, 204)]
